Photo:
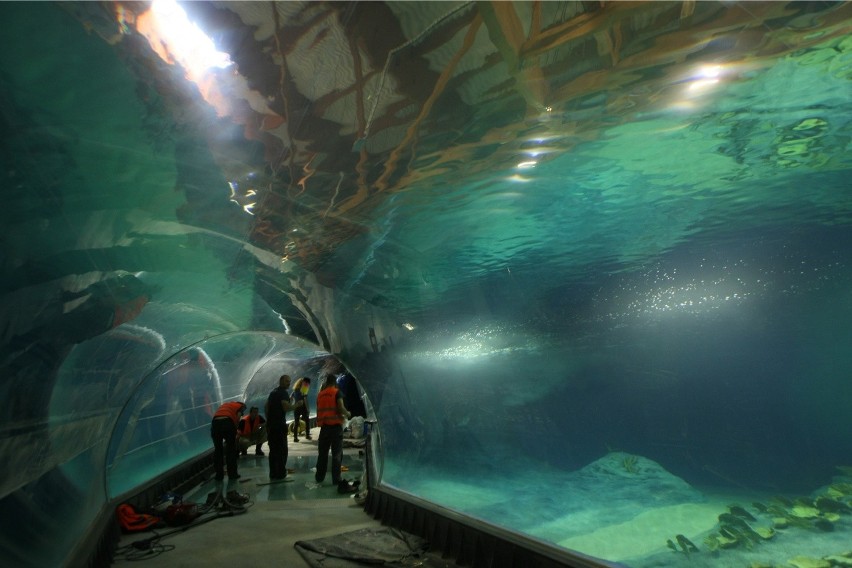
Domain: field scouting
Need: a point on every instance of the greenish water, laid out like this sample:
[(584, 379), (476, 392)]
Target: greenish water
[(534, 250)]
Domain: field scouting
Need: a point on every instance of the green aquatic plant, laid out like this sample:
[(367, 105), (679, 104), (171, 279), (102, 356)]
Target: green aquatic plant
[(738, 511), (736, 530), (714, 542), (739, 528), (820, 513), (745, 537), (630, 464), (760, 506), (840, 490), (802, 561), (686, 545), (828, 505), (844, 559)]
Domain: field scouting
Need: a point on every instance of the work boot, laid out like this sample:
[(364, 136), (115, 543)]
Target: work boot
[(236, 498)]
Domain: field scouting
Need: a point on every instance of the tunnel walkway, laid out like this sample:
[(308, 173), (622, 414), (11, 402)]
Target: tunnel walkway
[(278, 516)]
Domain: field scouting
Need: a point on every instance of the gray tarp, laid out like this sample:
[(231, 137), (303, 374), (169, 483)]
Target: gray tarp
[(382, 547)]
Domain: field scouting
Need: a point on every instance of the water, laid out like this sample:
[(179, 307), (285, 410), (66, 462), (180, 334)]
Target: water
[(731, 400), (590, 264)]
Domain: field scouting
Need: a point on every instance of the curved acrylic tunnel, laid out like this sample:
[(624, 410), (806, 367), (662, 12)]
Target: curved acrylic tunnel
[(589, 263)]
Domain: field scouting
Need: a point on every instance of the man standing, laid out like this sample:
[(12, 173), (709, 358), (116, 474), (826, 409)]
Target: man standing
[(223, 430), (300, 393), (277, 405), (252, 431), (331, 412)]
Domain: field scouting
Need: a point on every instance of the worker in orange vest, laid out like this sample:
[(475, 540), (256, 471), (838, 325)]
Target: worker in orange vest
[(331, 413), (223, 430), (252, 432)]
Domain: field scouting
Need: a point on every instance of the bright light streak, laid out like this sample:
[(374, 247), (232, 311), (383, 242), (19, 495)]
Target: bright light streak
[(187, 43), (177, 40), (540, 151), (699, 82), (543, 139), (284, 322), (238, 199), (408, 326), (527, 164), (702, 85), (710, 71), (518, 179)]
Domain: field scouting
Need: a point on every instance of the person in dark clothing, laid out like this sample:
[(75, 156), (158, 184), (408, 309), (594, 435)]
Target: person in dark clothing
[(331, 413), (223, 430), (277, 405), (300, 393), (351, 395)]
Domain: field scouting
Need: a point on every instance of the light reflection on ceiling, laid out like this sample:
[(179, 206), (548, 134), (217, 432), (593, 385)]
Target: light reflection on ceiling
[(327, 115), (542, 53)]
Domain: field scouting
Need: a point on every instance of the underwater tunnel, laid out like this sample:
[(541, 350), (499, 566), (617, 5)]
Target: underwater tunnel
[(590, 263)]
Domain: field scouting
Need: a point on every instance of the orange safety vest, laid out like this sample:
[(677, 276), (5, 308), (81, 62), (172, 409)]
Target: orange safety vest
[(231, 410), (247, 425), (131, 521), (327, 412)]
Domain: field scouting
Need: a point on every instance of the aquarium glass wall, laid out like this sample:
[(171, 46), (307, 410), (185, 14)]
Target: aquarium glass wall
[(587, 265)]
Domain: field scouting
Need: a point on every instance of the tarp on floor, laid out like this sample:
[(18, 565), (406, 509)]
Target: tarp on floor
[(379, 547)]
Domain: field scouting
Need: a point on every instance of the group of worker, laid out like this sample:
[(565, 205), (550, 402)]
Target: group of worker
[(234, 433)]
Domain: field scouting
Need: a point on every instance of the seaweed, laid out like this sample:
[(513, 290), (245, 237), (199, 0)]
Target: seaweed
[(686, 545), (840, 489), (629, 464), (760, 506), (738, 511), (817, 513), (828, 505)]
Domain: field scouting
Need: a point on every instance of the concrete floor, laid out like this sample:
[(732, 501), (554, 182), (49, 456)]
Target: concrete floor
[(278, 515)]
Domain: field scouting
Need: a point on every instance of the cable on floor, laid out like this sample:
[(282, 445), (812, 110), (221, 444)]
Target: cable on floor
[(218, 505)]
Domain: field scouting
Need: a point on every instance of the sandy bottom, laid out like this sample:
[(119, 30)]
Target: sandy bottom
[(647, 532), (640, 541), (625, 516)]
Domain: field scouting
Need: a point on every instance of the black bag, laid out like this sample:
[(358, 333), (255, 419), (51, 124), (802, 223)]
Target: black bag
[(346, 486)]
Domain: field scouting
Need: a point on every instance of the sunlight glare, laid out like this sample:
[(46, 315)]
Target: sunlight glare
[(187, 43)]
